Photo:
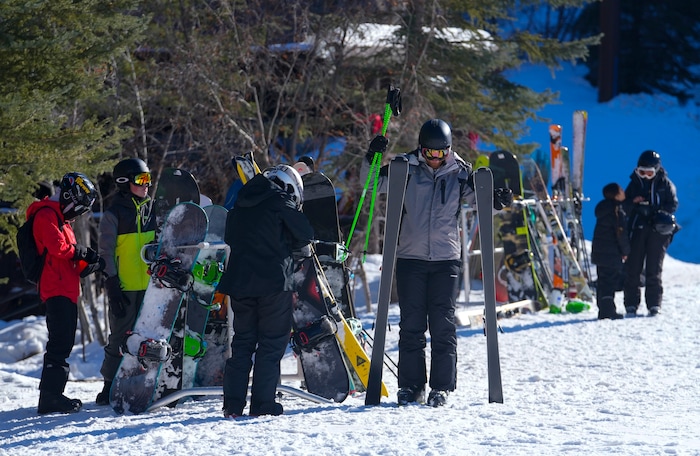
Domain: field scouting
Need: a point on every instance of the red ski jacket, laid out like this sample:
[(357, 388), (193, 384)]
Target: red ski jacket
[(61, 274)]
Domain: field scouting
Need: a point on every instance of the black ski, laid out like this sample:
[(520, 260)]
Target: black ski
[(483, 181), (398, 175)]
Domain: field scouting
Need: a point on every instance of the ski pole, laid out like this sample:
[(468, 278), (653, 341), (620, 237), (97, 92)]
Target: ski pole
[(392, 106)]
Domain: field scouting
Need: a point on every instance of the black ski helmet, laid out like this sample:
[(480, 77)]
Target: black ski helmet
[(435, 134), (649, 159), (126, 170), (77, 195), (664, 223)]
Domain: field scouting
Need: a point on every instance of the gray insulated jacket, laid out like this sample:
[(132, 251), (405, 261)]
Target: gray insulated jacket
[(430, 228)]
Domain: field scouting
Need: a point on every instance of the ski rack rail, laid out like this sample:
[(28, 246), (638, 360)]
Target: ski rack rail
[(219, 391)]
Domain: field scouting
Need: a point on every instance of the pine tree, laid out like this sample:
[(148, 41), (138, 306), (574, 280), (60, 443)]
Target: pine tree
[(54, 90)]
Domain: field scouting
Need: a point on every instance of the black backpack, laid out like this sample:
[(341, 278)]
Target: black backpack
[(31, 261)]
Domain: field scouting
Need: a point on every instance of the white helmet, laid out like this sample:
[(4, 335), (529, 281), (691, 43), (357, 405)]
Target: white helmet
[(289, 180)]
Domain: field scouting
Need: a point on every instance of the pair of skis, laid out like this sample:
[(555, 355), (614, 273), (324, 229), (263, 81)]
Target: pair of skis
[(483, 182)]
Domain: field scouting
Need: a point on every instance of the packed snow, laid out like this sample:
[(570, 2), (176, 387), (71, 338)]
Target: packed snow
[(572, 384)]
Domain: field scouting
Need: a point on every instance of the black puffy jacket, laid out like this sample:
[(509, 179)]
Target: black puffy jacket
[(610, 240), (659, 193), (263, 229)]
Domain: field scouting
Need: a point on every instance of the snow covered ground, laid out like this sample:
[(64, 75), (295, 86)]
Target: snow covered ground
[(572, 384)]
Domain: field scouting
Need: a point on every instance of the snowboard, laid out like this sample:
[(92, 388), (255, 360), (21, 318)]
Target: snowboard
[(175, 186), (207, 272), (147, 348), (355, 355), (510, 228), (217, 336), (313, 337), (321, 208)]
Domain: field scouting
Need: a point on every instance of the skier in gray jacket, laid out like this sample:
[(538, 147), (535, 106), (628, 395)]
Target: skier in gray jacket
[(428, 260)]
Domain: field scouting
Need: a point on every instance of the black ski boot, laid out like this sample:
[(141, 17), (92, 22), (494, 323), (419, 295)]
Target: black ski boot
[(103, 396), (50, 402), (272, 408), (407, 395)]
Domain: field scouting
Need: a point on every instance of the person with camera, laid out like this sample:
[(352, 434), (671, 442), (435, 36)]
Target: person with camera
[(650, 202)]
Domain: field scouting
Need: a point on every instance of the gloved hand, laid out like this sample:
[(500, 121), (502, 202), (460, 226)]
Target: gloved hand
[(502, 197), (117, 301), (85, 253), (378, 145), (98, 266)]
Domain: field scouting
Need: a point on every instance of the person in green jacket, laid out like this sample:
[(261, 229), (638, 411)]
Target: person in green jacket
[(125, 227)]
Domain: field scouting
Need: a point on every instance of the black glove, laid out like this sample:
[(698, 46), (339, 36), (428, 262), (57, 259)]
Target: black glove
[(85, 253), (117, 302), (98, 266), (378, 145), (502, 197)]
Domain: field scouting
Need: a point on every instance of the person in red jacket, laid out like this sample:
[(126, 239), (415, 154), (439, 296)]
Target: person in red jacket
[(59, 286)]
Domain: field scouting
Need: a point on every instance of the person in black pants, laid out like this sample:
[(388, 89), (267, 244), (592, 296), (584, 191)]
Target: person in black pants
[(263, 229), (59, 286), (125, 227), (610, 248), (650, 201), (428, 260)]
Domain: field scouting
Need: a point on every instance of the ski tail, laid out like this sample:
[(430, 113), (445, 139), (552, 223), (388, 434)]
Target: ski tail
[(483, 183), (580, 125), (398, 176)]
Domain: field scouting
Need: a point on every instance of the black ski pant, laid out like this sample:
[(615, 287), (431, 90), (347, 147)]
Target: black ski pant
[(62, 323), (646, 247), (608, 283), (261, 327), (427, 296), (118, 328)]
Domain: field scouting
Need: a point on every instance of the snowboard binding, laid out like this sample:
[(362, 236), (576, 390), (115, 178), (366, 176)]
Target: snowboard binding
[(307, 338), (335, 251), (147, 350), (208, 273), (195, 346), (170, 273)]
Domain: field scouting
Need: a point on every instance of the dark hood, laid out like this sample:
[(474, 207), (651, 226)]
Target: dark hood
[(258, 189)]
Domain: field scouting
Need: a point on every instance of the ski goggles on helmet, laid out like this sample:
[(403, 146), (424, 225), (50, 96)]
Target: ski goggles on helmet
[(435, 154), (645, 172), (142, 179)]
